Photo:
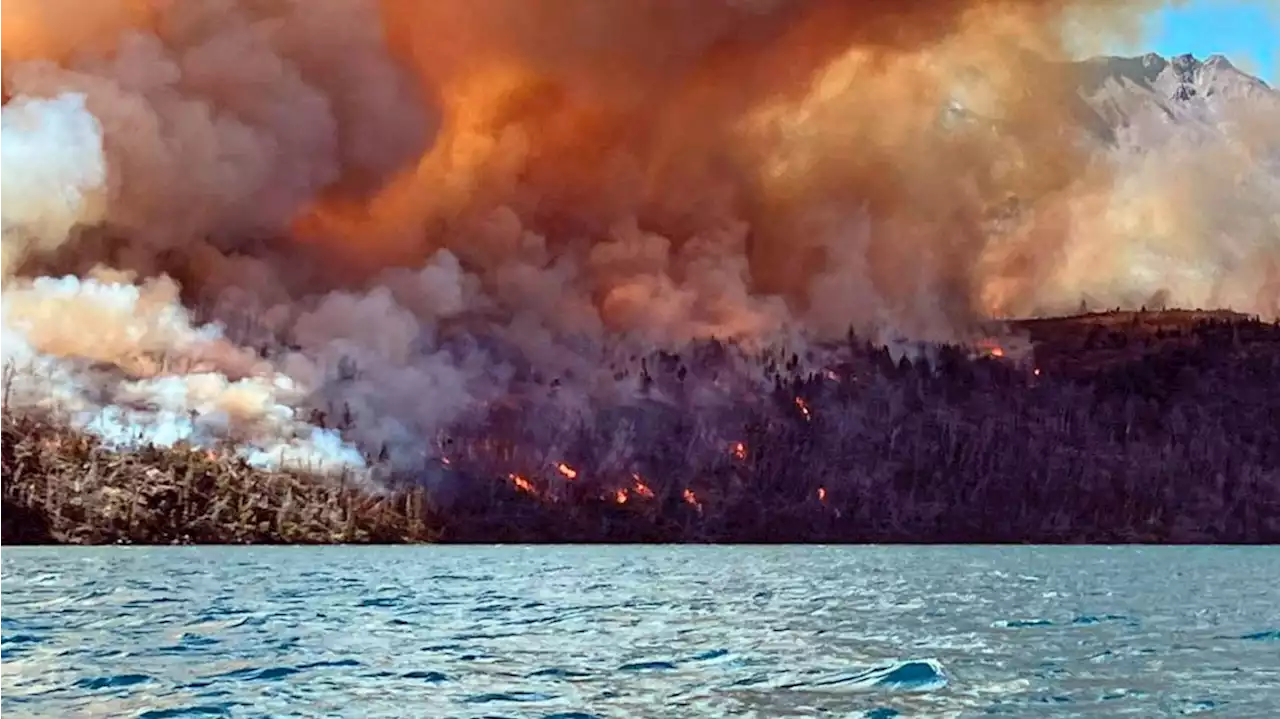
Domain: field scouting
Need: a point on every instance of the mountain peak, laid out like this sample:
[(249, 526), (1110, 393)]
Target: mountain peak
[(1180, 77)]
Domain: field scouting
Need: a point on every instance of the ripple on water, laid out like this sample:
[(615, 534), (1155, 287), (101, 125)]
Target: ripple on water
[(519, 697), (1090, 619), (112, 682), (656, 666), (912, 675), (1021, 623), (15, 646), (426, 676), (559, 673), (709, 655), (195, 710), (259, 674)]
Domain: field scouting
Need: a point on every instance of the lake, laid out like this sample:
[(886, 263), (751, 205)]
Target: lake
[(640, 631)]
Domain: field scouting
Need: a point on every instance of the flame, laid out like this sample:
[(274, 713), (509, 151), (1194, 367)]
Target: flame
[(692, 499), (1036, 371), (989, 347), (804, 408), (446, 461), (522, 484), (566, 470), (831, 375), (620, 497), (822, 494), (739, 450)]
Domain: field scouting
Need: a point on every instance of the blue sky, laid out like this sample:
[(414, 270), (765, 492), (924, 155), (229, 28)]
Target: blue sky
[(1246, 31)]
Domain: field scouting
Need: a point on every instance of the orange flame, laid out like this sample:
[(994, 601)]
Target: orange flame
[(804, 408), (739, 450), (692, 499), (989, 347), (620, 496), (522, 484), (822, 494), (1036, 371), (567, 471)]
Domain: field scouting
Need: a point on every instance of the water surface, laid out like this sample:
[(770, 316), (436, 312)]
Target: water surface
[(640, 632)]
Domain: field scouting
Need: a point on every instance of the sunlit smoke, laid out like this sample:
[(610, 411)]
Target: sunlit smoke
[(338, 228)]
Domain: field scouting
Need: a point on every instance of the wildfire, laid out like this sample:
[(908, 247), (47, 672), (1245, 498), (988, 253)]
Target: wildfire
[(739, 450), (620, 497), (446, 461), (997, 352), (1036, 371), (831, 375), (822, 494), (566, 470), (522, 484), (804, 408)]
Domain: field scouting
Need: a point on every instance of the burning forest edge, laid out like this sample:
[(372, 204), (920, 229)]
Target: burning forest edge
[(1159, 427)]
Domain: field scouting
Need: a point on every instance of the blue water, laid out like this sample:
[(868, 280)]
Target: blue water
[(640, 632)]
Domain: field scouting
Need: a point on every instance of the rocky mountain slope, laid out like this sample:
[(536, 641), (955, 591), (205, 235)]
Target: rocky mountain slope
[(1192, 217), (1148, 100)]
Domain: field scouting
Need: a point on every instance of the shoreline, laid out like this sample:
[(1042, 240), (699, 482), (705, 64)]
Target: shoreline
[(1152, 428)]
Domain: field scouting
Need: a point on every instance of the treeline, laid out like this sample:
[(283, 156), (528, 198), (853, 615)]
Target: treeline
[(1143, 428)]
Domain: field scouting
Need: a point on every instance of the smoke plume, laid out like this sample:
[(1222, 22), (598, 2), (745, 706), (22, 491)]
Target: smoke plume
[(252, 220)]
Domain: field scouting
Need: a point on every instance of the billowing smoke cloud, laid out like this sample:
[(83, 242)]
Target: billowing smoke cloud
[(54, 173), (246, 220)]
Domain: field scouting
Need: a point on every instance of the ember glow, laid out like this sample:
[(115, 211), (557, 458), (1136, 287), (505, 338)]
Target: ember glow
[(641, 488), (317, 234), (804, 408)]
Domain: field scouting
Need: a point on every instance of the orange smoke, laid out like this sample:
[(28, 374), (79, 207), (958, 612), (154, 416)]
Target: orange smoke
[(692, 120), (54, 29), (687, 158)]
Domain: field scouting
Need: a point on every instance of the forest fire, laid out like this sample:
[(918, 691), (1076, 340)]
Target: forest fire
[(901, 414), (317, 239)]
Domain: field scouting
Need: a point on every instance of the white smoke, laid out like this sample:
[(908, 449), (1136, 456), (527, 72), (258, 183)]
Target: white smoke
[(53, 170), (126, 363)]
